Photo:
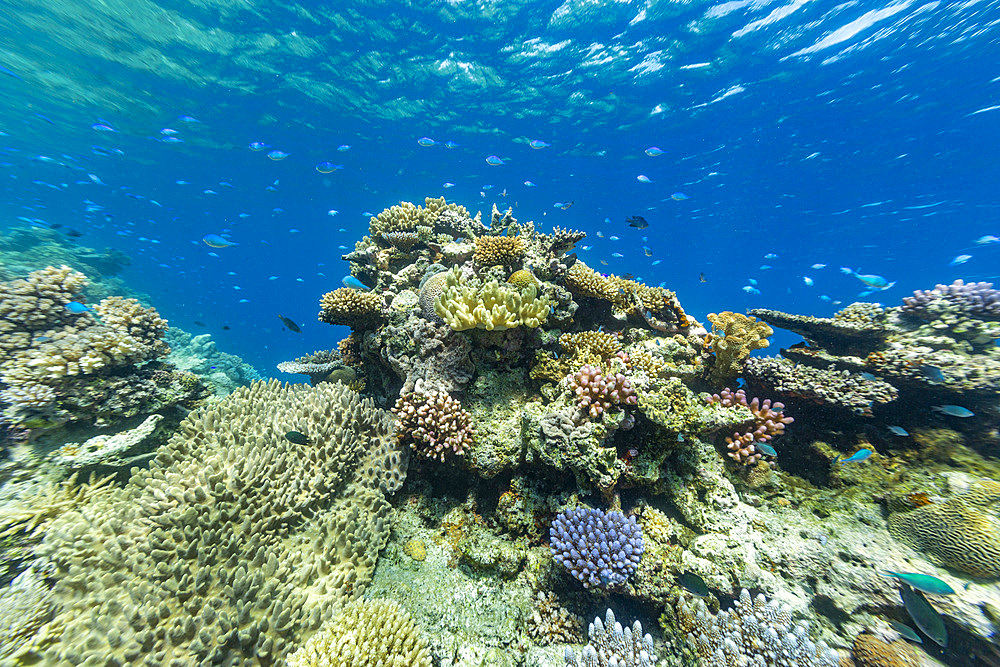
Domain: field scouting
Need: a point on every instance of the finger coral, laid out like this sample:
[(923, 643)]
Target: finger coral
[(596, 393), (466, 304), (611, 644), (753, 632), (354, 308), (365, 633), (769, 421), (733, 337), (600, 549), (236, 542), (433, 424)]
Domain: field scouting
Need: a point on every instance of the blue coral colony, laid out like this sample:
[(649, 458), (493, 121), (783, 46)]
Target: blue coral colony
[(497, 447)]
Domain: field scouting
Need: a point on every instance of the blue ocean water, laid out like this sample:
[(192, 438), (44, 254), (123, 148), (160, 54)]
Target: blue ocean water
[(800, 134)]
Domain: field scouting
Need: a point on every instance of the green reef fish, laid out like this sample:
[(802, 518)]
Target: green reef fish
[(353, 283), (291, 326), (922, 582), (906, 631), (694, 584), (216, 241), (924, 615), (870, 280), (766, 449), (953, 410), (297, 438)]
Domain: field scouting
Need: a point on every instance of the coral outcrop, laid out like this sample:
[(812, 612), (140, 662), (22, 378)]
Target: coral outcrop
[(465, 304), (596, 393), (236, 541), (732, 338), (353, 308)]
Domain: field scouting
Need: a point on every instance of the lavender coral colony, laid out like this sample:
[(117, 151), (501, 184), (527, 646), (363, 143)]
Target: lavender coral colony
[(500, 414), (599, 549)]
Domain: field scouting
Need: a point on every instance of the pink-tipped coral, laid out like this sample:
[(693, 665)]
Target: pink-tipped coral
[(769, 421), (595, 393), (433, 424)]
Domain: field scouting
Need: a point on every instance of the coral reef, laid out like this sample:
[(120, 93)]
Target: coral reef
[(753, 632), (235, 541), (365, 633), (551, 623), (353, 308), (320, 366), (732, 338), (610, 644), (976, 299), (960, 533), (433, 424), (499, 250), (769, 421), (600, 549)]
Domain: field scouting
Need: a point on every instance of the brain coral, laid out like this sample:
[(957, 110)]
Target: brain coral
[(959, 533), (365, 633), (354, 308), (235, 542)]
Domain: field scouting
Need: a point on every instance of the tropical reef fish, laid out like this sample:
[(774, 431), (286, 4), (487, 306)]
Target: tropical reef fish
[(76, 307), (653, 151), (426, 141), (932, 373), (277, 155), (922, 582), (679, 196), (870, 280), (818, 266), (538, 143), (637, 221), (291, 326), (216, 241), (692, 583), (899, 430), (643, 178), (989, 238), (297, 438), (807, 280), (906, 631), (924, 615), (354, 283), (494, 161), (857, 456), (750, 289), (953, 410), (961, 259), (562, 204)]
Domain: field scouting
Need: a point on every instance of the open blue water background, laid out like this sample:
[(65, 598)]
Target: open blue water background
[(860, 134)]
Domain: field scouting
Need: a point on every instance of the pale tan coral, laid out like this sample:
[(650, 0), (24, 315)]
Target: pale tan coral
[(733, 337), (365, 633), (523, 278), (552, 623), (499, 250), (590, 344), (464, 304), (433, 424), (658, 306), (354, 308), (235, 542), (583, 280), (143, 325)]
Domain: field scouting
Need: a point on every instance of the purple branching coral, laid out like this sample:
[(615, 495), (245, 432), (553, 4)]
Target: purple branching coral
[(433, 424), (976, 299), (769, 421), (599, 549), (596, 393)]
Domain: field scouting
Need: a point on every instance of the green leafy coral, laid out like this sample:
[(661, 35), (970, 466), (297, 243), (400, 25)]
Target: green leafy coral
[(468, 304)]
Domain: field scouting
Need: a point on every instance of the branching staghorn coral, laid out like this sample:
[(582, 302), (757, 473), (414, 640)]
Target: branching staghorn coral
[(466, 304), (754, 633), (733, 337), (769, 421), (433, 424)]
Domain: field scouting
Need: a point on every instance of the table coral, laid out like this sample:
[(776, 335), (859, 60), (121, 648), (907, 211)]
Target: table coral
[(365, 633), (354, 308), (433, 424), (733, 337), (600, 549), (235, 541), (611, 644), (319, 366)]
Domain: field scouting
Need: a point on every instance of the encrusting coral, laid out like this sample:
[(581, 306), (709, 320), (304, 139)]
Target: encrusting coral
[(236, 541), (433, 424), (872, 651), (354, 308), (365, 633), (732, 338)]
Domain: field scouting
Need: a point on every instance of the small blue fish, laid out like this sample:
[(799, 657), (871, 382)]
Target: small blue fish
[(922, 582), (277, 155), (679, 196), (857, 456), (932, 373), (76, 307), (871, 280), (451, 144), (538, 144), (328, 167), (961, 259), (447, 185), (766, 448), (426, 141), (653, 151), (643, 178), (765, 267), (259, 146), (899, 430), (953, 410), (750, 289), (989, 238), (344, 147), (493, 161), (216, 241), (530, 184), (353, 283)]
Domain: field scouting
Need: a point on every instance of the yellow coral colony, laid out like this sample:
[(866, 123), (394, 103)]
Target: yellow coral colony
[(353, 308), (733, 337), (466, 305), (499, 250)]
